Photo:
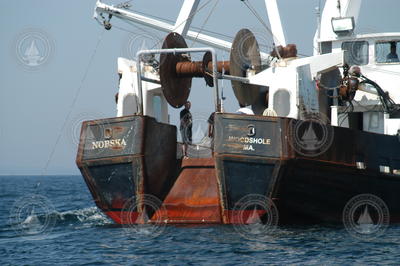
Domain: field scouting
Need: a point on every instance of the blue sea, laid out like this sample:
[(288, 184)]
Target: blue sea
[(75, 232)]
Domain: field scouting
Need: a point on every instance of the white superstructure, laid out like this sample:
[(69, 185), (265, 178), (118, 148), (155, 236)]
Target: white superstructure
[(371, 52), (291, 82)]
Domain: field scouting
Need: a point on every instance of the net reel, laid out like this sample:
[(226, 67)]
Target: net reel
[(177, 70)]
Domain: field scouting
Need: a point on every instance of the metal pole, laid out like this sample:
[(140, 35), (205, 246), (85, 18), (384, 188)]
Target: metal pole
[(139, 55), (139, 81), (215, 78), (318, 11)]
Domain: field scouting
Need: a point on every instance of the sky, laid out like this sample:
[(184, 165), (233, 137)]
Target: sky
[(73, 77)]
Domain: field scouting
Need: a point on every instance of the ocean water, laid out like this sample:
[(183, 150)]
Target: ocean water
[(77, 233)]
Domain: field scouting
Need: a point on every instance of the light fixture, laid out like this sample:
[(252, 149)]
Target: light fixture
[(343, 26)]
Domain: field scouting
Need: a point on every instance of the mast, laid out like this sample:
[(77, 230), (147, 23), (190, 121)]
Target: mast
[(275, 21), (348, 8), (185, 17), (317, 45)]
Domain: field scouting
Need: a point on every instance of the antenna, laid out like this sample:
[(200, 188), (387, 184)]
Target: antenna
[(318, 13), (339, 8)]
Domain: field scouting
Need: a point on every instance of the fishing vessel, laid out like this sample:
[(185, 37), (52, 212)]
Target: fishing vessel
[(325, 128)]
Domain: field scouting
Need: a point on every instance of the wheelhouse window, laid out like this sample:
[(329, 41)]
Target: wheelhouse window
[(355, 53), (387, 52)]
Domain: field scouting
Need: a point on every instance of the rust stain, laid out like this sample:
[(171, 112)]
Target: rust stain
[(194, 198)]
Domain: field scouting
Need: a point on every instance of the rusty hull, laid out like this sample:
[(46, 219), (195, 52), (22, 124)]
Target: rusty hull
[(121, 176), (141, 160), (194, 198)]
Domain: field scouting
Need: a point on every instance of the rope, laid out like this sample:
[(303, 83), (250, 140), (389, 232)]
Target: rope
[(73, 103)]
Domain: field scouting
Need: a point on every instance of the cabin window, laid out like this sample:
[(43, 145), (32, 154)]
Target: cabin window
[(355, 53), (387, 52), (157, 108), (326, 47)]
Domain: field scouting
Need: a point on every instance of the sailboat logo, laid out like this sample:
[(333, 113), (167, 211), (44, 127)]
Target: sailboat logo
[(311, 136), (32, 56), (255, 217), (309, 139), (33, 48), (142, 41), (366, 216), (254, 222), (145, 216), (365, 222), (32, 216)]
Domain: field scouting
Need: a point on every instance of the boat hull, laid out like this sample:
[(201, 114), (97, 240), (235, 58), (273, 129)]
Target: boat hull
[(255, 159), (305, 187), (124, 159)]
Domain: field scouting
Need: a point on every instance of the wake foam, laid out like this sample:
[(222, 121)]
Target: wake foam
[(88, 216)]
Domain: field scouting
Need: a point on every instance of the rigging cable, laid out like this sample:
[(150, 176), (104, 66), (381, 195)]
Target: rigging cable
[(204, 23), (175, 27), (73, 102), (251, 8), (267, 47), (270, 47), (194, 27)]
